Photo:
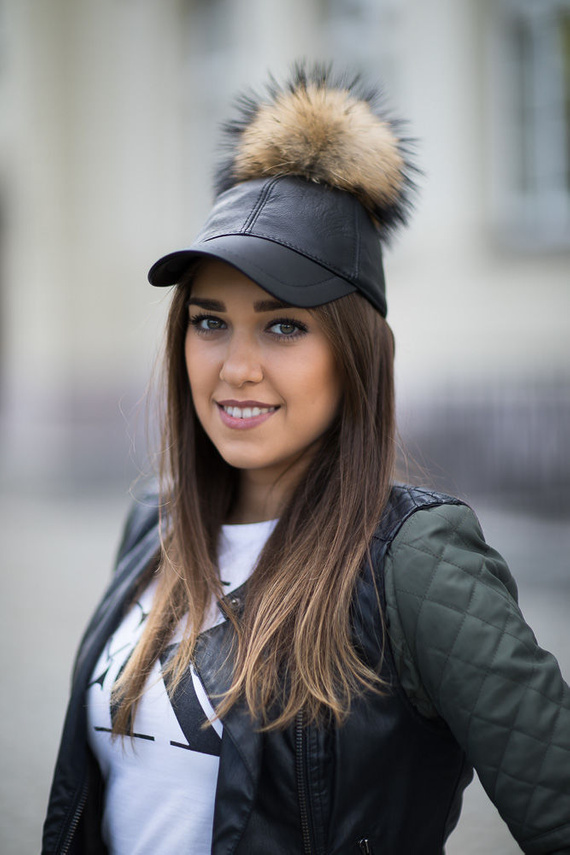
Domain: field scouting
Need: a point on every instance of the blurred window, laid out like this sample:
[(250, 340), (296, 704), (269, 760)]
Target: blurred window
[(535, 161)]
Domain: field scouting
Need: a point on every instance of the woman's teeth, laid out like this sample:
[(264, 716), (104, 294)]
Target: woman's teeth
[(247, 412)]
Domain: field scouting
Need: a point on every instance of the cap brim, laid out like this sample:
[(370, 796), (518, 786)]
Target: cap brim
[(283, 272)]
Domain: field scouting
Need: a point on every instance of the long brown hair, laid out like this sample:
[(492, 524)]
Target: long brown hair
[(294, 647)]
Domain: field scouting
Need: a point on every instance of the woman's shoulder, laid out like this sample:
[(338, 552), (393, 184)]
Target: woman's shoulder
[(414, 512), (439, 537)]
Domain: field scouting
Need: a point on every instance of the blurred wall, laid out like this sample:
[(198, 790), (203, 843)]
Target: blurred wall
[(108, 116)]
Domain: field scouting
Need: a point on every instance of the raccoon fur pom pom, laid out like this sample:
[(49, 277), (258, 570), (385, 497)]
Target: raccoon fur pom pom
[(325, 129)]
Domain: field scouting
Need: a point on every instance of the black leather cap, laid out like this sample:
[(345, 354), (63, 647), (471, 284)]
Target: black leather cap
[(304, 243)]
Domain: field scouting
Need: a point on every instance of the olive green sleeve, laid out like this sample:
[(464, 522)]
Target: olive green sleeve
[(464, 652)]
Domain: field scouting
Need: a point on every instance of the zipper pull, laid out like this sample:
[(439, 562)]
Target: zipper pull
[(365, 846)]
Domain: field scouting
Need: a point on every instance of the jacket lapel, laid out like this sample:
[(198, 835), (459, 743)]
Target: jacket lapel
[(240, 759)]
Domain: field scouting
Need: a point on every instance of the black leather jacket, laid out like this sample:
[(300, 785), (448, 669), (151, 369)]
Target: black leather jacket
[(389, 781)]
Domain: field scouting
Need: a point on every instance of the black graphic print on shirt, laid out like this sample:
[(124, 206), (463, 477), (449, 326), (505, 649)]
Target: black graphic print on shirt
[(190, 714), (189, 709)]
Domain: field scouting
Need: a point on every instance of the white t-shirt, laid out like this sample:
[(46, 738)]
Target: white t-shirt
[(160, 786)]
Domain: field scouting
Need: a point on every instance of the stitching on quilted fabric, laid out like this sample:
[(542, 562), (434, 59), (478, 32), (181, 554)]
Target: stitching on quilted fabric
[(548, 833), (486, 673), (509, 729), (493, 772), (527, 688), (512, 729), (504, 677), (426, 501), (504, 594), (459, 610), (441, 560), (407, 495), (534, 785), (437, 511), (553, 728), (423, 600), (465, 513), (451, 651)]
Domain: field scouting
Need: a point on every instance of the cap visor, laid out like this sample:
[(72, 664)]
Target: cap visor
[(283, 272)]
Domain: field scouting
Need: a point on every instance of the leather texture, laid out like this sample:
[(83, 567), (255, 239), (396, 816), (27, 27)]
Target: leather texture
[(458, 641), (305, 243)]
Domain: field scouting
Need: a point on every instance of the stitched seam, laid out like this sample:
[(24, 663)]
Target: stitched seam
[(535, 784), (357, 254), (394, 528), (439, 561), (301, 250), (548, 833), (530, 781), (512, 818), (403, 656), (386, 540), (487, 672), (503, 632), (432, 576), (462, 611), (532, 792), (454, 530), (527, 688), (473, 576), (513, 729), (264, 192), (450, 651)]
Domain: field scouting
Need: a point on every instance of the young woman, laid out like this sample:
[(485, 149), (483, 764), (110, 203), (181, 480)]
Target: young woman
[(296, 655)]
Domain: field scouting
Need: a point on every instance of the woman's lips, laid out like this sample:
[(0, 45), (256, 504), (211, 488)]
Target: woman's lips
[(242, 415)]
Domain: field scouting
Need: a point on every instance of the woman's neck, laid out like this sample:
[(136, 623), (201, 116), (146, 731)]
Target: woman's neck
[(256, 503), (262, 495)]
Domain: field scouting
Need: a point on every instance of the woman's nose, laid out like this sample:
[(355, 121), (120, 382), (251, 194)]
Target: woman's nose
[(242, 363)]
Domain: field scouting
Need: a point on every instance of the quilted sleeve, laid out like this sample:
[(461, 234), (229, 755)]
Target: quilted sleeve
[(481, 669)]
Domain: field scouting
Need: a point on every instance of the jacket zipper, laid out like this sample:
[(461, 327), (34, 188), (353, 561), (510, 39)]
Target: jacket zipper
[(74, 820), (365, 846), (302, 783)]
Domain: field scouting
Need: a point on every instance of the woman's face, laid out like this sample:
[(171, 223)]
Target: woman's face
[(262, 375)]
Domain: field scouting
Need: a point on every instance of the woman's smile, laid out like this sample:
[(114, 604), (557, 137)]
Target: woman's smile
[(241, 415), (262, 374)]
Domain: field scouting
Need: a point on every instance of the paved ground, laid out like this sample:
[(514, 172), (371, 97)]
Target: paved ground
[(56, 559)]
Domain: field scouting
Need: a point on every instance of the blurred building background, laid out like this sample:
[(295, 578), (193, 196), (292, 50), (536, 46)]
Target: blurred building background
[(108, 119)]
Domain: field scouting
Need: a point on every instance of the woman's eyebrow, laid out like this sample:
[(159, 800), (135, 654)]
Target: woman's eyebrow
[(218, 306), (209, 305), (270, 305)]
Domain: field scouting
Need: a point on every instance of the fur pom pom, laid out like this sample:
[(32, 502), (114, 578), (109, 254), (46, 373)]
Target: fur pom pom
[(328, 130)]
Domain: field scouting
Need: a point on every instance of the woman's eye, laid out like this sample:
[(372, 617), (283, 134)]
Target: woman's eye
[(287, 329), (207, 323)]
